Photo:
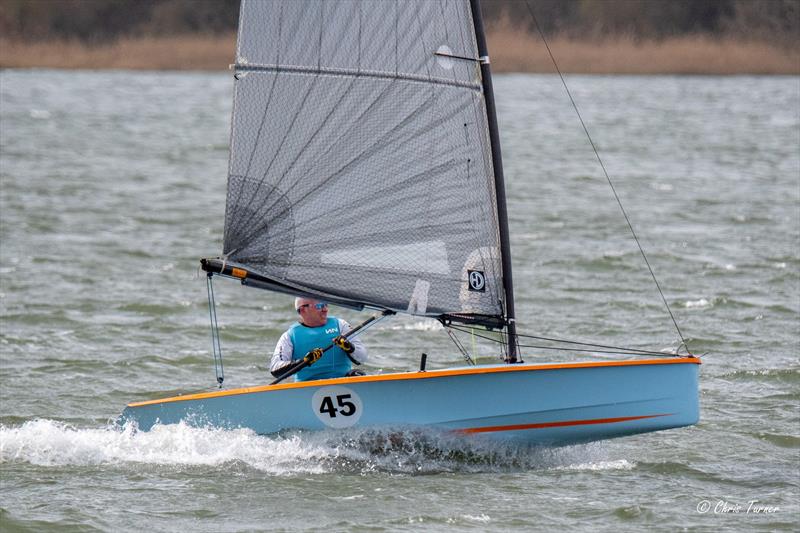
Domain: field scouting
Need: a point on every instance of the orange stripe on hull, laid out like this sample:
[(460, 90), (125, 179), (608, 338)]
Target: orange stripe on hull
[(431, 374), (564, 423)]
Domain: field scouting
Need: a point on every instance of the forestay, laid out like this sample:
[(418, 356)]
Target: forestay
[(360, 157)]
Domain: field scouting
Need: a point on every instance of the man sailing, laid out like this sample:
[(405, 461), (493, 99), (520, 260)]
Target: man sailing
[(307, 337)]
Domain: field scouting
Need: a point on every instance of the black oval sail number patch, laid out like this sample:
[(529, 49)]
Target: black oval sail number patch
[(343, 406), (477, 281)]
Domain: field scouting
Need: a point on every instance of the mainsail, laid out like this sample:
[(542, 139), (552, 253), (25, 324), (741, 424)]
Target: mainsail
[(361, 165)]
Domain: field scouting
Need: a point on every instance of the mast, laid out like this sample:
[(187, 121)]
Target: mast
[(499, 182)]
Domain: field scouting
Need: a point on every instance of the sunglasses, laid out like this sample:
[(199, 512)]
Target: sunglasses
[(318, 306)]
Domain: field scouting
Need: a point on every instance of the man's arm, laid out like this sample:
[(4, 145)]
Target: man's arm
[(282, 356), (359, 350)]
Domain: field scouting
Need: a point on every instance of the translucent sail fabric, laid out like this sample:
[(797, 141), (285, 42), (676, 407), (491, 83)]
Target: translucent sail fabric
[(360, 158)]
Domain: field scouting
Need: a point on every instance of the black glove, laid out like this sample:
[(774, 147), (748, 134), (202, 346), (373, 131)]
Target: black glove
[(344, 344), (313, 356)]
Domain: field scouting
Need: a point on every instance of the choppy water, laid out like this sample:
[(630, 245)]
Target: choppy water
[(113, 184)]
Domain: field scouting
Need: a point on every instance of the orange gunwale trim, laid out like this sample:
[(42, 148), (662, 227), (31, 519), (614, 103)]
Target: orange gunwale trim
[(429, 374), (487, 429)]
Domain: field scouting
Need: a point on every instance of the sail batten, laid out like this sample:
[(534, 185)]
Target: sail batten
[(239, 68), (361, 164)]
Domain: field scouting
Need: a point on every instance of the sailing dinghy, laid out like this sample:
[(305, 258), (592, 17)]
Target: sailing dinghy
[(365, 171)]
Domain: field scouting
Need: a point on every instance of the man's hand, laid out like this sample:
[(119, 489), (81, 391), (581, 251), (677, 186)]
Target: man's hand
[(344, 344), (313, 356)]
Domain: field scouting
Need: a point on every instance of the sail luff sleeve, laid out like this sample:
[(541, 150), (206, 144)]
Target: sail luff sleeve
[(360, 159), (499, 180)]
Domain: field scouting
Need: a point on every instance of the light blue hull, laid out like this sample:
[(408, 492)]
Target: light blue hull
[(540, 404)]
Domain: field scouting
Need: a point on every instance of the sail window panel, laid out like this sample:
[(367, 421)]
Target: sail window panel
[(419, 257)]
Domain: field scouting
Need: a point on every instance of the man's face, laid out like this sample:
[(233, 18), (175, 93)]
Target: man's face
[(313, 313)]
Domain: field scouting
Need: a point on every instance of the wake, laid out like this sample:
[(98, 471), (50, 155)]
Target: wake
[(50, 443)]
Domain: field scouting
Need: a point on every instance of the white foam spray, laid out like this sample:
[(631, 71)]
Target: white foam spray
[(48, 443)]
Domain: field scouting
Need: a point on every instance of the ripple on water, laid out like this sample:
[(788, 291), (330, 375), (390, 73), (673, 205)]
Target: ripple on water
[(787, 376), (783, 441), (104, 210)]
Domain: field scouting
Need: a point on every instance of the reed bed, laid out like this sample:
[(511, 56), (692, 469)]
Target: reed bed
[(185, 52), (518, 51), (512, 50)]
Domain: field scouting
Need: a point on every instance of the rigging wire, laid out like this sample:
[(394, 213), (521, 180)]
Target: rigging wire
[(460, 347), (613, 189), (602, 348), (594, 345), (215, 345)]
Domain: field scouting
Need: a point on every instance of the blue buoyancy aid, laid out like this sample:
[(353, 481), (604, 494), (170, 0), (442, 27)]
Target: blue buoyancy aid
[(333, 364)]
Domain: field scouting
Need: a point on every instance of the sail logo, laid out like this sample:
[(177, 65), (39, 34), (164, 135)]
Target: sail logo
[(477, 280)]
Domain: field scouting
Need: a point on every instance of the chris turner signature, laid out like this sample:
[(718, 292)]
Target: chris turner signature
[(725, 507)]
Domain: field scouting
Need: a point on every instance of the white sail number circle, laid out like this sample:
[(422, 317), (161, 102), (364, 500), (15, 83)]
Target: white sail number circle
[(337, 407)]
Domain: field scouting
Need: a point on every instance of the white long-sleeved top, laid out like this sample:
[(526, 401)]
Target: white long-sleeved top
[(284, 350)]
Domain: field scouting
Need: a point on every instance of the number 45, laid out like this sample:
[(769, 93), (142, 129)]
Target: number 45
[(346, 408)]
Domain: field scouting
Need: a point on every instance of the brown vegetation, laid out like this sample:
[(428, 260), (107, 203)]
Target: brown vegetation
[(516, 50), (512, 50), (186, 52), (586, 36)]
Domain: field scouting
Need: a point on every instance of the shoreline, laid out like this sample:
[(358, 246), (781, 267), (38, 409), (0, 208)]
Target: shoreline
[(512, 51)]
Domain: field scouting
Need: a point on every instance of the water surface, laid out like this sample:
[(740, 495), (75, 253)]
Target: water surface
[(112, 185)]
